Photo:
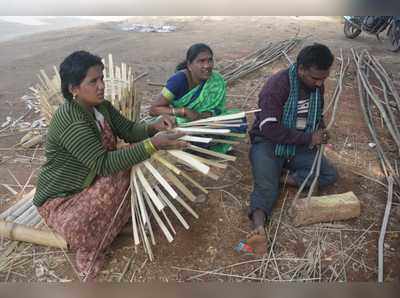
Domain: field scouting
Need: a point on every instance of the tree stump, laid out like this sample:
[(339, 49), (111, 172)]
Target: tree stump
[(326, 209)]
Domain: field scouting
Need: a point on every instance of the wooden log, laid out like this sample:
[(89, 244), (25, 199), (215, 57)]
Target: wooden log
[(326, 208), (23, 233)]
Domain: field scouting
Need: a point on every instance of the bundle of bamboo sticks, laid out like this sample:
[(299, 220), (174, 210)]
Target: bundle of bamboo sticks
[(257, 59), (386, 101)]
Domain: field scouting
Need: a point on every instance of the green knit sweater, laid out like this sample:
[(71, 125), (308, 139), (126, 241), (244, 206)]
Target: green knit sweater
[(75, 154)]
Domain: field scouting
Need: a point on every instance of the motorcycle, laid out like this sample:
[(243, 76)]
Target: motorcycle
[(354, 25)]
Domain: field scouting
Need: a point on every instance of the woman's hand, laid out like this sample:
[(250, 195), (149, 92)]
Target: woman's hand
[(190, 114), (164, 123), (168, 140)]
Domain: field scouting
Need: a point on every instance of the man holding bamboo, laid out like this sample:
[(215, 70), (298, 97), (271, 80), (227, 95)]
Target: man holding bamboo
[(285, 134)]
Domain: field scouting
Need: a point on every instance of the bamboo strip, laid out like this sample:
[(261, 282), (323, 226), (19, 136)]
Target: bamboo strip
[(222, 141), (210, 162), (10, 189), (172, 207), (166, 163), (168, 222), (159, 221), (187, 207), (194, 182), (211, 125), (202, 131), (212, 153), (190, 161), (133, 203), (146, 242), (180, 186), (139, 196), (236, 135), (218, 118), (153, 239), (148, 189), (196, 139), (160, 179)]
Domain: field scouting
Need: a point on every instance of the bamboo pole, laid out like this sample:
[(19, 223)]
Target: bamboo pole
[(383, 229), (23, 233)]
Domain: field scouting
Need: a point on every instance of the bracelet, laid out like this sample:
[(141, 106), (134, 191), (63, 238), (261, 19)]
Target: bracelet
[(173, 112), (149, 147)]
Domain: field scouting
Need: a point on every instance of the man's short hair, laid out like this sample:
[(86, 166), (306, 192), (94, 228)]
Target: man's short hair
[(317, 55)]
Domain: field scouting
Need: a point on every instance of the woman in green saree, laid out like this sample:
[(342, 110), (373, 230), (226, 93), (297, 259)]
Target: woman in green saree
[(195, 91)]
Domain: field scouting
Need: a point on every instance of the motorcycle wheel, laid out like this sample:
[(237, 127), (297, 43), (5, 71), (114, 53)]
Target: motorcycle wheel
[(351, 31), (394, 38)]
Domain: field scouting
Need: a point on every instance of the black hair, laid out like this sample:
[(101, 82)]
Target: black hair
[(74, 68), (192, 53), (317, 55)]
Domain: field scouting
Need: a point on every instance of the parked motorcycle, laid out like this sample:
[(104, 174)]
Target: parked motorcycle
[(354, 25)]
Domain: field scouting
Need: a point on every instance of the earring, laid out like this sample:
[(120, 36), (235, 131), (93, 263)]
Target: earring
[(74, 96)]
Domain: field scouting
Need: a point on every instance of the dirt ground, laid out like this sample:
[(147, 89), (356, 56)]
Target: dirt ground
[(342, 251)]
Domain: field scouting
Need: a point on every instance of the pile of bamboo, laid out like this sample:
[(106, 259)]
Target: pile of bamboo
[(257, 59), (382, 101)]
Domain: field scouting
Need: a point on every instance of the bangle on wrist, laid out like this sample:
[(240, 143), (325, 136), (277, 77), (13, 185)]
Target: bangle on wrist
[(149, 147)]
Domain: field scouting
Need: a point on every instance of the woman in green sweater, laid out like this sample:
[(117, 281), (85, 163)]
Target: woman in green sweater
[(85, 177)]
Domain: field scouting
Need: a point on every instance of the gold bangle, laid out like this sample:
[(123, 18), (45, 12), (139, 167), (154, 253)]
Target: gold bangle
[(149, 147)]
